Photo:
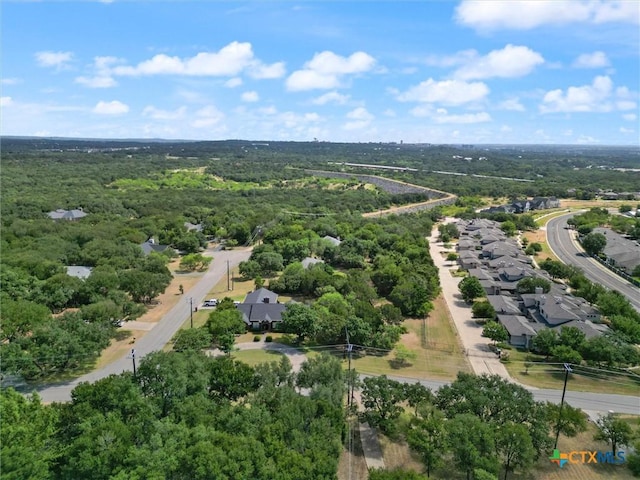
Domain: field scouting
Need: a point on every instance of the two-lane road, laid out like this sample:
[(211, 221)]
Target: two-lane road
[(562, 243), (159, 335)]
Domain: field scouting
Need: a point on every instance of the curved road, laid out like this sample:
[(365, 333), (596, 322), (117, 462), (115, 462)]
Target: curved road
[(562, 242), (158, 336)]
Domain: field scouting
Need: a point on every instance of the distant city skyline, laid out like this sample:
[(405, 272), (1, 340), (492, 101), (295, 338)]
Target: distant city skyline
[(476, 72)]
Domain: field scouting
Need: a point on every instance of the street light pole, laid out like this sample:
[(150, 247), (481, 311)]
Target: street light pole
[(133, 358), (567, 370)]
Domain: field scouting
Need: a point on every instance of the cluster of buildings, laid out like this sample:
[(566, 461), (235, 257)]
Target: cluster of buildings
[(523, 206), (499, 263)]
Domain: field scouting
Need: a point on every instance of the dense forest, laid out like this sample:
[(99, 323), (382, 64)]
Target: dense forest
[(185, 415)]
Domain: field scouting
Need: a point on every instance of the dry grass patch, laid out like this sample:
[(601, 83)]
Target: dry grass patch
[(352, 464), (398, 455)]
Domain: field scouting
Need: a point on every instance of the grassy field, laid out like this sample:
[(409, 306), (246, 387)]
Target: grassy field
[(435, 344), (255, 357), (552, 376)]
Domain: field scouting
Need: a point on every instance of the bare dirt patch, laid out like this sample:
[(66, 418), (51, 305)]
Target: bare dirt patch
[(352, 465)]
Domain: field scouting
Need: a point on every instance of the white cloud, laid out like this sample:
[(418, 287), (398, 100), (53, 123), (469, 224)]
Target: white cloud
[(233, 82), (207, 117), (626, 130), (597, 97), (630, 117), (510, 62), (96, 82), (528, 14), (261, 71), (54, 59), (442, 116), (230, 60), (448, 61), (512, 104), (331, 97), (389, 113), (158, 114), (325, 70), (5, 101), (592, 60), (449, 92), (360, 118), (114, 107), (10, 81), (251, 96)]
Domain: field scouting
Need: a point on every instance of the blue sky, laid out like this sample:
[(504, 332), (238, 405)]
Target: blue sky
[(485, 71)]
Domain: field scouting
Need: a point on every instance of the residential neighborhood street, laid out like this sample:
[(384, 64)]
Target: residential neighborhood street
[(161, 333)]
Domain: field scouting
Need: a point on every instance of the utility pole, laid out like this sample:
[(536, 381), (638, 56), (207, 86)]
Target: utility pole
[(350, 383), (228, 277), (191, 310), (567, 370), (133, 357)]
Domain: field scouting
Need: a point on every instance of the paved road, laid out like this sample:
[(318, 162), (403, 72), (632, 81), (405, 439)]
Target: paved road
[(562, 242), (158, 337)]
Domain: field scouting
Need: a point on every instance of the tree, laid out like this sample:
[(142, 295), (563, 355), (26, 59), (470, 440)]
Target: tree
[(225, 322), (404, 356), (195, 339), (412, 296), (514, 446), (544, 341), (594, 243), (571, 337), (452, 257), (231, 379), (143, 286), (300, 320), (495, 331), (470, 288), (613, 430), (566, 354), (426, 437), (509, 228), (381, 398), (483, 310), (569, 420), (529, 285), (472, 444)]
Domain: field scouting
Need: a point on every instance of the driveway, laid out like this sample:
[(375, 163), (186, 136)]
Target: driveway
[(476, 347)]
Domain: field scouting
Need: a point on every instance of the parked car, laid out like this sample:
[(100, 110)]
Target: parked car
[(212, 302)]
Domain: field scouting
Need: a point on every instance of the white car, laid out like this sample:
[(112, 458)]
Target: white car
[(212, 302)]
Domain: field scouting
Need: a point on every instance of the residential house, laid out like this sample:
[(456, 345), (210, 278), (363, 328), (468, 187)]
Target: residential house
[(70, 215), (79, 271), (308, 261), (151, 246), (261, 310)]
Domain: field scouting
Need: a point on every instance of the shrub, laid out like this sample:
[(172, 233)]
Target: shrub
[(256, 338), (269, 338)]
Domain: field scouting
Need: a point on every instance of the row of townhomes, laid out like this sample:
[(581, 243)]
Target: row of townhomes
[(526, 205), (500, 263)]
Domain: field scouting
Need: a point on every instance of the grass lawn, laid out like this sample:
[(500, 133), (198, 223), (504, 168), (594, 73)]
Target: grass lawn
[(552, 376), (433, 341), (255, 357)]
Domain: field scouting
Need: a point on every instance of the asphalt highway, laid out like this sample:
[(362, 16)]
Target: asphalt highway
[(561, 241)]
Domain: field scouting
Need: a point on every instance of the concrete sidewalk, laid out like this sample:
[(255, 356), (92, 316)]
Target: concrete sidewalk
[(476, 347)]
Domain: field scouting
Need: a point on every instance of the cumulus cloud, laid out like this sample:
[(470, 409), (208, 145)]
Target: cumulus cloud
[(325, 70), (597, 97), (592, 60), (360, 118), (96, 82), (630, 117), (9, 81), (512, 104), (251, 96), (230, 60), (442, 116), (528, 14), (510, 62), (5, 101), (158, 114), (331, 97), (233, 82), (114, 107), (58, 60), (208, 116), (448, 92)]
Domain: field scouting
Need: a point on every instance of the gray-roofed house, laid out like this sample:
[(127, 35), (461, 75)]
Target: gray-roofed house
[(79, 271), (308, 261), (151, 246), (504, 304), (335, 241), (70, 215), (521, 330), (193, 227), (261, 310)]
